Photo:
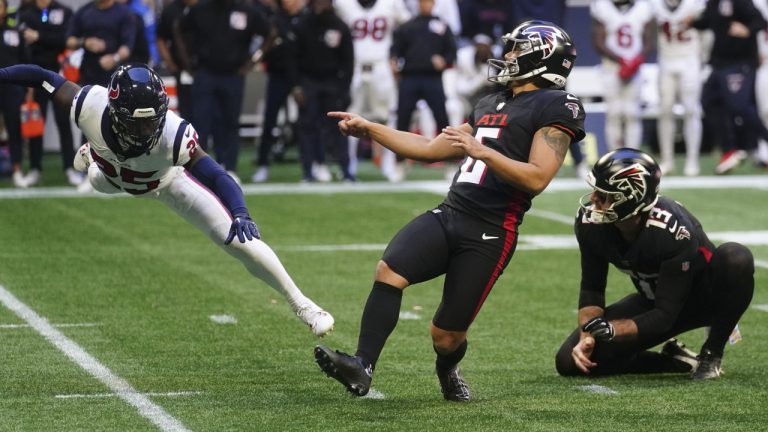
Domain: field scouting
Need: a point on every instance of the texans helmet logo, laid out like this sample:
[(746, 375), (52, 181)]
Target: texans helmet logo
[(631, 181), (114, 92), (546, 37)]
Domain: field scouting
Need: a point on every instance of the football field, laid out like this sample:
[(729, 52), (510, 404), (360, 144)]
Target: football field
[(116, 315)]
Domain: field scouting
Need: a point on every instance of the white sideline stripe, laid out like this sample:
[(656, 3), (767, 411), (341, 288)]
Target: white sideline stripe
[(761, 307), (761, 264), (13, 326), (542, 242), (107, 395), (90, 364), (431, 186), (408, 315), (594, 388)]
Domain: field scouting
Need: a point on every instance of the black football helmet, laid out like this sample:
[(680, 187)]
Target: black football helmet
[(137, 107), (540, 48), (626, 181)]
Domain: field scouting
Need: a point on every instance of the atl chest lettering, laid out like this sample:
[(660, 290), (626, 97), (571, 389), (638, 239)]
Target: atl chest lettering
[(493, 120)]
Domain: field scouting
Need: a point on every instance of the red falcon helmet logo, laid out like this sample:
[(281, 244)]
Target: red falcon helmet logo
[(547, 37), (114, 92), (631, 181)]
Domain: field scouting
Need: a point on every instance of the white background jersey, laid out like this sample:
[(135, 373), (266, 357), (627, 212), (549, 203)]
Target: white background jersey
[(143, 173), (624, 30), (372, 28), (675, 41)]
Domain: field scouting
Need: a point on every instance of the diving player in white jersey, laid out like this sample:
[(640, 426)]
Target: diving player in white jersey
[(374, 91), (622, 34), (137, 146), (679, 57)]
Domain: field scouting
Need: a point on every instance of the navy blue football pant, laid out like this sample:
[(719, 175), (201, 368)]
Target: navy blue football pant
[(61, 115), (278, 89), (11, 98), (218, 101), (414, 88), (728, 99)]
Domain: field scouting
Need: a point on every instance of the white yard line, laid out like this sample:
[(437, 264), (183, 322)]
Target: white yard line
[(431, 186), (14, 326), (108, 395), (148, 409)]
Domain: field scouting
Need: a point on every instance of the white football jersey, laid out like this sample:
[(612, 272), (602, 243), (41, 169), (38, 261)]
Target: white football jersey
[(624, 29), (675, 39), (140, 174), (372, 28)]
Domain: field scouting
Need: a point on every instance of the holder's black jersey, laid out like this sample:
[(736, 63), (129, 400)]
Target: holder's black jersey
[(507, 123), (665, 262)]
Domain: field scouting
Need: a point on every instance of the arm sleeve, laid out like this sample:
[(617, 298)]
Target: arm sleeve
[(594, 274), (672, 291), (32, 76), (213, 176)]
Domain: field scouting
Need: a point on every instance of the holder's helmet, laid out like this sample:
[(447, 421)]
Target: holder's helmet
[(626, 182)]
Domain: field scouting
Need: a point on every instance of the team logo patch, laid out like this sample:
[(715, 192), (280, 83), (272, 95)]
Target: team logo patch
[(686, 266), (682, 233), (114, 92), (574, 107), (631, 181), (546, 37)]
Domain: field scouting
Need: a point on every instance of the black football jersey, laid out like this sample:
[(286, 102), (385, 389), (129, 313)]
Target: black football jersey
[(665, 262), (507, 123)]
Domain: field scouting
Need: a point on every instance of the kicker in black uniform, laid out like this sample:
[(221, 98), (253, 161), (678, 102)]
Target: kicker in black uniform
[(683, 281), (513, 145)]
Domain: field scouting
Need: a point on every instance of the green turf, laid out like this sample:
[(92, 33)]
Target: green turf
[(151, 282)]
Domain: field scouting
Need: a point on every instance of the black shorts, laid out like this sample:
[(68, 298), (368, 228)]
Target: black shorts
[(470, 252)]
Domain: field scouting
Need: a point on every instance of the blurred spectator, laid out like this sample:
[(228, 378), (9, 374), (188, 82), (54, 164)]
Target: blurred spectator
[(472, 71), (622, 34), (731, 85), (106, 30), (170, 55), (140, 51), (543, 10), (11, 96), (422, 49), (489, 17), (761, 83), (324, 44), (45, 24), (679, 58), (374, 91), (282, 76), (446, 10), (145, 11), (221, 35)]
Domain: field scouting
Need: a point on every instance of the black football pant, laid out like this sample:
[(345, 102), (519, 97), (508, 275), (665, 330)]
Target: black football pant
[(726, 292)]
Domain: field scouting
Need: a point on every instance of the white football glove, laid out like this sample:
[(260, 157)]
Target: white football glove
[(83, 158)]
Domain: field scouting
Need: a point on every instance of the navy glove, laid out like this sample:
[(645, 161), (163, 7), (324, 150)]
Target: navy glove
[(244, 227), (600, 329)]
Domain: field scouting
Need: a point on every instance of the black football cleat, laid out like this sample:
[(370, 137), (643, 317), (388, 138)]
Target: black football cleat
[(453, 385), (709, 366), (677, 350), (344, 368)]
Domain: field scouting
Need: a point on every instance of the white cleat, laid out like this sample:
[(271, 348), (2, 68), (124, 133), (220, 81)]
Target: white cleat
[(19, 180), (74, 177), (32, 178), (261, 175), (318, 320)]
